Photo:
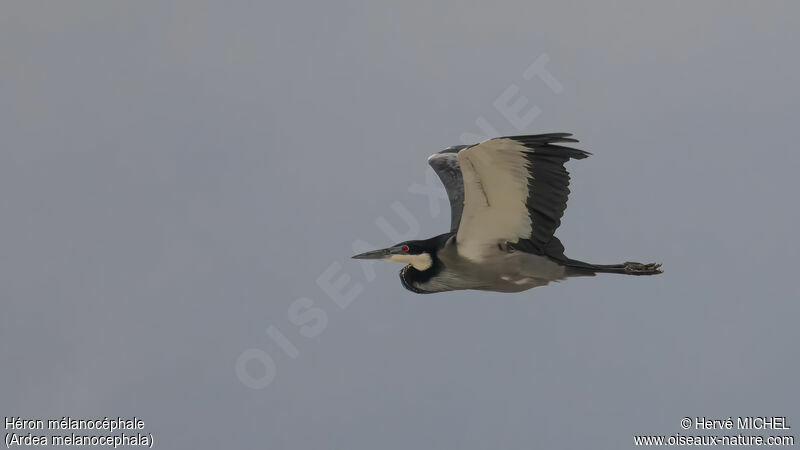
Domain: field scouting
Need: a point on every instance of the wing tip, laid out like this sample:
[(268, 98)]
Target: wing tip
[(544, 137), (539, 142), (550, 141)]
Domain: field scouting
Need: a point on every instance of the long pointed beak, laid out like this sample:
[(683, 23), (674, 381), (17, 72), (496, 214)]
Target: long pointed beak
[(375, 254)]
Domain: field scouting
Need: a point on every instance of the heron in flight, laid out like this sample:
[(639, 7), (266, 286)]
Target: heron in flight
[(507, 196)]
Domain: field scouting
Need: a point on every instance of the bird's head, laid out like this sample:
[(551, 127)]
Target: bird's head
[(414, 253)]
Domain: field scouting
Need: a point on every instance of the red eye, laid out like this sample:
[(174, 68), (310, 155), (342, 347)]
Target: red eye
[(404, 248)]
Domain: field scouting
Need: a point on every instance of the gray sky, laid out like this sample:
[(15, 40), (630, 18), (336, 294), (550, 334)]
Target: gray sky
[(174, 176)]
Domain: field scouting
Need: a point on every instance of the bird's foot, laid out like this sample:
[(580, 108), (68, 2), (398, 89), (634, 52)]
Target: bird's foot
[(507, 247), (635, 268)]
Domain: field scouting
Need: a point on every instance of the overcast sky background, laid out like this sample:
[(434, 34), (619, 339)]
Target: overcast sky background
[(174, 175)]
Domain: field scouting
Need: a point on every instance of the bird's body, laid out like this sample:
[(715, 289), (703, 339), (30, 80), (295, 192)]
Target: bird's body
[(511, 271), (507, 197)]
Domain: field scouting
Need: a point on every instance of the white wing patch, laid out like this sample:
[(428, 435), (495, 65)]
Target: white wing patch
[(496, 178)]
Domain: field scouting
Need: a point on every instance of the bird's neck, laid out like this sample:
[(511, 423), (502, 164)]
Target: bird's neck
[(423, 261), (407, 279), (414, 279), (408, 275)]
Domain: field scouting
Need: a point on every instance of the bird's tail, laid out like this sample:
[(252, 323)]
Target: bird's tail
[(577, 268)]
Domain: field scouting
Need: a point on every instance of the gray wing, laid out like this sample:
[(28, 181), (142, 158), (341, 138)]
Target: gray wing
[(516, 191), (445, 164)]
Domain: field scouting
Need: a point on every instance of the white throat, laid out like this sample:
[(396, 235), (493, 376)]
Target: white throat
[(422, 261)]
